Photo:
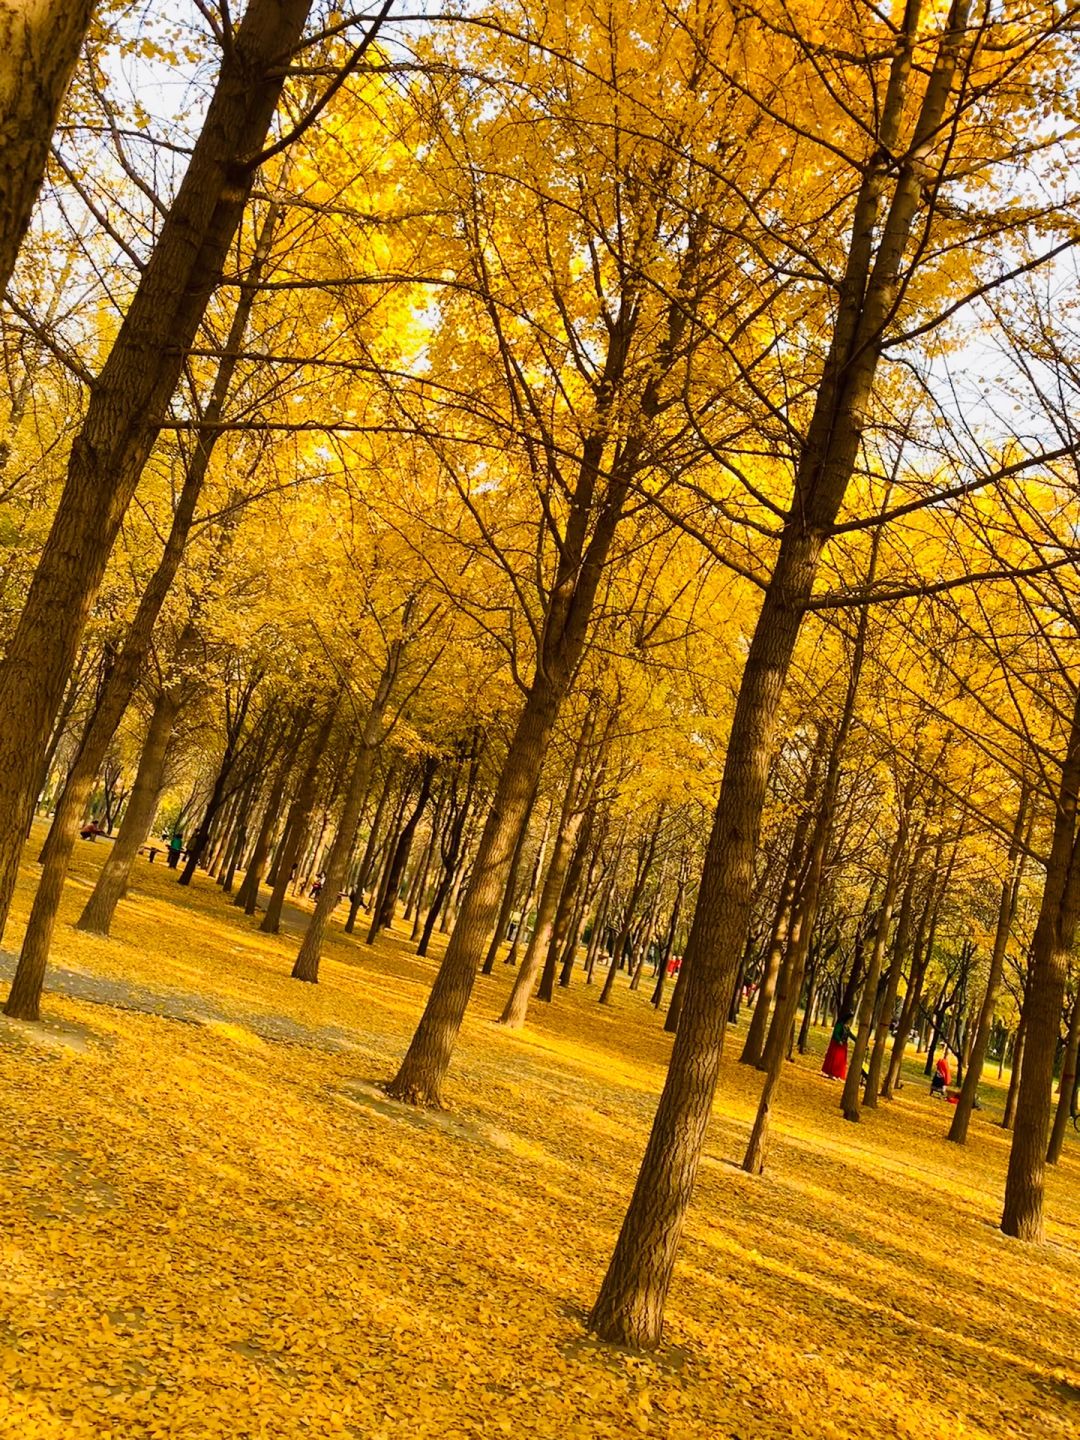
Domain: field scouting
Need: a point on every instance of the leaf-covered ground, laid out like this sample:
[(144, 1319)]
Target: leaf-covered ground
[(213, 1224)]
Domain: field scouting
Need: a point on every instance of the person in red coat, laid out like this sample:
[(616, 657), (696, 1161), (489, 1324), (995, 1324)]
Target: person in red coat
[(835, 1064)]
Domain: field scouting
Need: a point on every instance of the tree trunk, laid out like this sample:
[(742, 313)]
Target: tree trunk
[(419, 1079), (803, 1042), (247, 897), (1010, 892), (567, 834), (1066, 1087), (779, 941), (71, 694), (112, 881), (530, 892), (40, 42), (219, 792), (892, 981), (629, 1309), (568, 915), (646, 854), (668, 948), (1055, 932), (384, 911), (378, 899), (1009, 1115), (754, 1043), (371, 846), (297, 822), (306, 966), (129, 400), (24, 999), (506, 909), (678, 996), (920, 961)]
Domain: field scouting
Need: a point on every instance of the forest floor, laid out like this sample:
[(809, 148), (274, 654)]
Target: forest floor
[(212, 1223)]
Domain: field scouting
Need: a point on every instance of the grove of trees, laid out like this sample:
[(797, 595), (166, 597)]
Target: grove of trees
[(597, 484)]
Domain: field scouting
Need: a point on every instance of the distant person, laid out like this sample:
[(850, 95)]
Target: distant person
[(176, 845), (942, 1077), (316, 886), (91, 830), (835, 1062)]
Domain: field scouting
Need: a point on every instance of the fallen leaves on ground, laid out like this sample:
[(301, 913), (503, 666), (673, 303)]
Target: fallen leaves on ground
[(214, 1225)]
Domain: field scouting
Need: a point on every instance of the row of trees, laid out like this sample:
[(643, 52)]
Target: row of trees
[(452, 456)]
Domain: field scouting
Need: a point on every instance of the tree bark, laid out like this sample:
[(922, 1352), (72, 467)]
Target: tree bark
[(40, 42), (384, 911), (306, 966), (849, 1100), (892, 981), (1066, 1087), (419, 1079), (112, 881), (247, 897), (297, 821), (1010, 892), (562, 853), (630, 1305), (1055, 932), (129, 400)]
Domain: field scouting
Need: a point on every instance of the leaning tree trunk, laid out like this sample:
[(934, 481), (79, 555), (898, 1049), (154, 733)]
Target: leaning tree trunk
[(296, 822), (247, 897), (850, 1099), (759, 1020), (420, 1076), (892, 980), (678, 997), (383, 915), (24, 1001), (451, 843), (568, 916), (754, 1043), (1008, 1117), (112, 881), (1052, 943), (130, 399), (668, 948), (306, 966), (630, 1305), (562, 854), (921, 956), (371, 848), (1010, 892), (790, 978), (646, 855), (219, 793), (40, 42), (593, 518), (1066, 1087), (506, 908)]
